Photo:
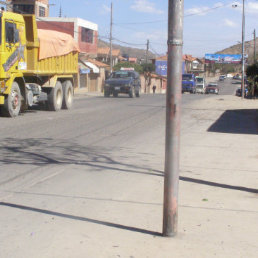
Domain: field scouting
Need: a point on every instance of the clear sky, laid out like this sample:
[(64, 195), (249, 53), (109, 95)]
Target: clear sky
[(209, 25)]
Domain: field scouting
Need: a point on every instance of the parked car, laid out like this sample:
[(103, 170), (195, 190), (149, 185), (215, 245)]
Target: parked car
[(212, 88), (239, 92), (200, 85), (123, 81), (222, 77), (237, 77)]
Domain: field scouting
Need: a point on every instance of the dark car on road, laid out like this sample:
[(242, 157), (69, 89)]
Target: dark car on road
[(222, 77), (126, 82), (212, 88), (239, 92), (236, 77)]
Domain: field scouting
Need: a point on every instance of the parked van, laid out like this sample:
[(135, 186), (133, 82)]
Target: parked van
[(200, 85)]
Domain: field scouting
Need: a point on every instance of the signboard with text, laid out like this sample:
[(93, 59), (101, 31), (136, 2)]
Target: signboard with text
[(162, 66), (222, 59)]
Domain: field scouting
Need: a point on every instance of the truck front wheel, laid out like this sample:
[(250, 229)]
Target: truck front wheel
[(55, 97), (132, 92), (12, 104), (67, 94)]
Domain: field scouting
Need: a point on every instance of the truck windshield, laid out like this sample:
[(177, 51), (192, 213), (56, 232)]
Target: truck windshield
[(199, 80), (187, 77), (122, 74)]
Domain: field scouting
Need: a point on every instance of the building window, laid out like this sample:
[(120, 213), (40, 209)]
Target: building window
[(42, 11), (23, 8), (87, 35)]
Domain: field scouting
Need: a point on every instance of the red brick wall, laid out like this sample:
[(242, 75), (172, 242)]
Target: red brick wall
[(34, 2), (44, 1), (88, 47), (66, 27)]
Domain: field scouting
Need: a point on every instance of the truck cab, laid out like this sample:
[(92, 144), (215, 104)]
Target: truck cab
[(188, 83)]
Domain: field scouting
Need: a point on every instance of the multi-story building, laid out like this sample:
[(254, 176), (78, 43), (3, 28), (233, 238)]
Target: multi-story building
[(84, 32), (38, 7)]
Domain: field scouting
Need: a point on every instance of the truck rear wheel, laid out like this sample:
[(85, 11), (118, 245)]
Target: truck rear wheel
[(55, 97), (137, 93), (67, 94), (106, 93), (12, 104)]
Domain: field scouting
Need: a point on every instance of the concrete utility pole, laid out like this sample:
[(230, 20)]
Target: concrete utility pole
[(111, 45), (173, 115), (243, 51), (147, 50), (254, 46)]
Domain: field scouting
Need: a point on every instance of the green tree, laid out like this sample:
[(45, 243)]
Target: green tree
[(148, 67), (252, 75)]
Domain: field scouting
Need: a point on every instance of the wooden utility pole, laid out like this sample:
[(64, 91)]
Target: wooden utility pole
[(243, 51), (60, 11), (173, 116), (146, 61), (254, 46), (147, 51), (111, 45)]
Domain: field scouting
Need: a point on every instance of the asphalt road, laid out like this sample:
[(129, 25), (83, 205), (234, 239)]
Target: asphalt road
[(229, 86), (43, 140), (101, 162)]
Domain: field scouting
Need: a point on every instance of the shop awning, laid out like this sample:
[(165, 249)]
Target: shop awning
[(94, 68), (83, 68)]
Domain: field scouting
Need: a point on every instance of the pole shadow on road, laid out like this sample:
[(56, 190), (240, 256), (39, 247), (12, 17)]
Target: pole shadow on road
[(44, 152), (238, 121), (68, 216)]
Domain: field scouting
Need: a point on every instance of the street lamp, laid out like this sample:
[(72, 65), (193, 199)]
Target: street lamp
[(243, 48)]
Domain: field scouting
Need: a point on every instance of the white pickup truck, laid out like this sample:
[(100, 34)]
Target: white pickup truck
[(200, 85)]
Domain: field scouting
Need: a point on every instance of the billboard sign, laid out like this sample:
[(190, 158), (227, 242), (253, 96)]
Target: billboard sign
[(222, 59), (162, 66)]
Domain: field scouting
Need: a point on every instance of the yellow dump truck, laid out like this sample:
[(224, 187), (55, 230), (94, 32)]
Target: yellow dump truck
[(35, 65)]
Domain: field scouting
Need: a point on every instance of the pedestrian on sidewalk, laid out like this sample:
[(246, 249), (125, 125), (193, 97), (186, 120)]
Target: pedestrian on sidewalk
[(154, 89)]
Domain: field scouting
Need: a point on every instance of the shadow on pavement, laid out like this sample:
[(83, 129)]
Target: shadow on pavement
[(46, 151), (68, 216), (239, 121), (226, 186)]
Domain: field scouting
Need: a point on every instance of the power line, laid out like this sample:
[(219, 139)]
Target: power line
[(128, 43), (206, 10), (153, 50)]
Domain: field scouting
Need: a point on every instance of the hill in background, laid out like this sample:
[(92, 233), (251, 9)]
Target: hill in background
[(141, 53), (237, 49), (132, 52)]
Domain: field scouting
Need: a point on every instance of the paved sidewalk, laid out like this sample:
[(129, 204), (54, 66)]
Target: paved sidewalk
[(218, 197), (83, 92)]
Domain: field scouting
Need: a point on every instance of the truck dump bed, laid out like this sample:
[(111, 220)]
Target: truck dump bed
[(49, 52)]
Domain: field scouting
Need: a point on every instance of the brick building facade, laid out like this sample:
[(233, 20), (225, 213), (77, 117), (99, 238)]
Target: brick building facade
[(38, 7), (84, 32)]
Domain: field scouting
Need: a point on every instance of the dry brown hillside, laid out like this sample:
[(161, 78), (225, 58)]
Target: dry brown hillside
[(131, 52), (237, 49)]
